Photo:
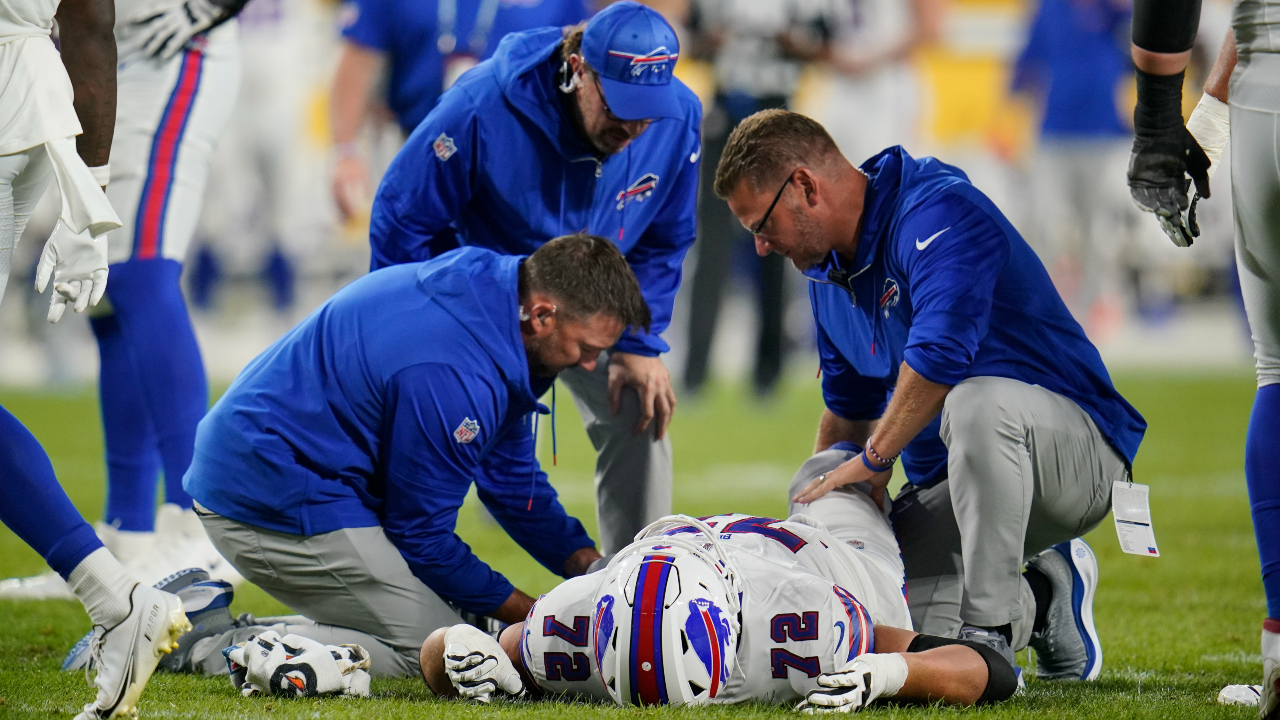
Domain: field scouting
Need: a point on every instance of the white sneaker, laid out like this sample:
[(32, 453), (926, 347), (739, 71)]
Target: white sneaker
[(1269, 703), (126, 654), (46, 586), (187, 544), (1246, 695)]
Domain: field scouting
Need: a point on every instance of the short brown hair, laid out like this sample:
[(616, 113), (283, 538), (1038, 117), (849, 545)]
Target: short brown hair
[(768, 144), (586, 274), (572, 43)]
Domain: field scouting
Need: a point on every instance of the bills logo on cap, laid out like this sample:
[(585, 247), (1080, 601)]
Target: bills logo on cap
[(890, 296), (639, 190), (656, 61), (467, 431), (444, 147)]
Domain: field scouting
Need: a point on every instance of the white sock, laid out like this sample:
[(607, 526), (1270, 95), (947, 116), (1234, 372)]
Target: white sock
[(104, 587)]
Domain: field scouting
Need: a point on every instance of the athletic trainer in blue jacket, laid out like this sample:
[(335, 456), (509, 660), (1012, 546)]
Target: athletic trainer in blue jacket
[(943, 340), (584, 129), (331, 472)]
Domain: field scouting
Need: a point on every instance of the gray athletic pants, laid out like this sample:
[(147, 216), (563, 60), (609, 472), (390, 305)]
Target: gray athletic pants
[(350, 586), (633, 472), (1255, 188), (1027, 469)]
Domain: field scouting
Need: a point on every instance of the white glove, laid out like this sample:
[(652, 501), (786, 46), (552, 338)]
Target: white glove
[(78, 266), (477, 665), (857, 684), (1210, 125), (297, 667), (166, 30)]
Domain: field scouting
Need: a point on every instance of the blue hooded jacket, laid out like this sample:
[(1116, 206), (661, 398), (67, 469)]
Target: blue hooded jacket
[(943, 281), (381, 408), (498, 164)]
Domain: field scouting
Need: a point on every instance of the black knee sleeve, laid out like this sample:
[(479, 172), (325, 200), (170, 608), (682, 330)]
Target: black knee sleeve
[(1165, 26), (1002, 681)]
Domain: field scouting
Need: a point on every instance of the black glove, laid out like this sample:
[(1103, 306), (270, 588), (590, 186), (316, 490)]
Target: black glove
[(1164, 153)]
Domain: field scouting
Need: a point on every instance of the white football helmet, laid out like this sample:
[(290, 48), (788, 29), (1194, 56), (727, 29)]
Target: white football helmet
[(667, 618)]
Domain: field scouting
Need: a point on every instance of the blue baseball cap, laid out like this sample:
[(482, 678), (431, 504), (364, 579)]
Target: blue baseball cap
[(634, 51)]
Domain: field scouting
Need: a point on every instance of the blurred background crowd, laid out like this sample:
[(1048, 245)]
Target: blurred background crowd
[(1032, 98)]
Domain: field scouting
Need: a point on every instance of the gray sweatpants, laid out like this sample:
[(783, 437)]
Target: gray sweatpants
[(1255, 188), (350, 586), (633, 472), (1027, 469)]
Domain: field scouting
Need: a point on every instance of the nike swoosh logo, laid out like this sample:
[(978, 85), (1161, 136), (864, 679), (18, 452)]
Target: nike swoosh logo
[(694, 157), (926, 243)]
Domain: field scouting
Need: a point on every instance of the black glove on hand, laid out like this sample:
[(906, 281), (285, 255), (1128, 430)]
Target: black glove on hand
[(1164, 153)]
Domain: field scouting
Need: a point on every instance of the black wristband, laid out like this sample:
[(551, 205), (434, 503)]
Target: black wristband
[(1159, 102), (1002, 680)]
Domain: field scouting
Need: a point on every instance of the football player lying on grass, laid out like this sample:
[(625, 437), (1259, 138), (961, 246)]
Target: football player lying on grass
[(723, 610)]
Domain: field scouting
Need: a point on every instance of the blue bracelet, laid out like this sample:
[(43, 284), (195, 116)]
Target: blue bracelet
[(866, 461)]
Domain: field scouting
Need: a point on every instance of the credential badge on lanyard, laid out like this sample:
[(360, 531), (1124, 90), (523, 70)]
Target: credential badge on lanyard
[(1131, 508), (455, 62)]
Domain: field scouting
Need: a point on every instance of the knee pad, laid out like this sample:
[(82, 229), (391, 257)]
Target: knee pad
[(1002, 680)]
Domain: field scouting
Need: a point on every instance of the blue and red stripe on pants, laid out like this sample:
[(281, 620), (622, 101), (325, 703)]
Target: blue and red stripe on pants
[(148, 230)]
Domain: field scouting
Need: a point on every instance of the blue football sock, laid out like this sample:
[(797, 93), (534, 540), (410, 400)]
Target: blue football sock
[(154, 324), (33, 505), (1262, 473), (133, 462)]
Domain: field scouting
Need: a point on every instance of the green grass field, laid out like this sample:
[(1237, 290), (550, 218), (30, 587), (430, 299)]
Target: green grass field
[(1175, 629)]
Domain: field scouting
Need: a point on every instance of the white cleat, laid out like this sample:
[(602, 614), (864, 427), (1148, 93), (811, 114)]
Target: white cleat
[(187, 545), (126, 654), (47, 586), (1246, 695)]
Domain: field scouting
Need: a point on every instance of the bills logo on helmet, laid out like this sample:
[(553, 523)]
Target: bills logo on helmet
[(444, 147), (708, 633), (467, 431), (638, 191), (890, 297), (657, 61), (602, 625)]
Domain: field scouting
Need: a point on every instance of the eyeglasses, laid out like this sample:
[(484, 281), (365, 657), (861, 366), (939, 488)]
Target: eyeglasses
[(600, 89), (760, 225)]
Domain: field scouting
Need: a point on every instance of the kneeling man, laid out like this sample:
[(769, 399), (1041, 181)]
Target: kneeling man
[(331, 472), (943, 340)]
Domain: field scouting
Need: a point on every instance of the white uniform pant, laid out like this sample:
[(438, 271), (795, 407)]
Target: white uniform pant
[(1255, 188), (168, 118), (23, 179)]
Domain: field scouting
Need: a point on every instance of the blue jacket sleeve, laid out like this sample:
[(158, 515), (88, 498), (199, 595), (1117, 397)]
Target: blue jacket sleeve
[(515, 489), (845, 392), (952, 282), (1031, 68), (426, 184), (428, 472), (658, 256)]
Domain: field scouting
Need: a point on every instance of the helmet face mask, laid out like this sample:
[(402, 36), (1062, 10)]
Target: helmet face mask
[(665, 627)]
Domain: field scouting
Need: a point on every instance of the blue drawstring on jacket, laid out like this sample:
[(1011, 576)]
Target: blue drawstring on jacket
[(533, 474)]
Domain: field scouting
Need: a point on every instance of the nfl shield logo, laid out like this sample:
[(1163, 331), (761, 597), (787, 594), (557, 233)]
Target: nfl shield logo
[(444, 147), (467, 431)]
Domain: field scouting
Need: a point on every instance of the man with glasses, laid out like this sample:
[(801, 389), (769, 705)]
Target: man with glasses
[(943, 341), (561, 131)]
